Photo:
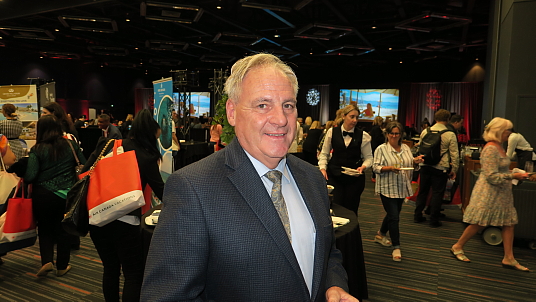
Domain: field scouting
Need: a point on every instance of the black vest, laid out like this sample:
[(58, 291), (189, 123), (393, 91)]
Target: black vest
[(343, 156)]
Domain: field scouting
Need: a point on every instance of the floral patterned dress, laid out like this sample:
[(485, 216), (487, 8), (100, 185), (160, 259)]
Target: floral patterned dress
[(492, 201)]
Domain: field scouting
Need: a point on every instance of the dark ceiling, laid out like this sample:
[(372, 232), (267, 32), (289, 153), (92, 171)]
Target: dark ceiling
[(207, 34)]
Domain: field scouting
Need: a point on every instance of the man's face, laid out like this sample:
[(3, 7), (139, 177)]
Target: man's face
[(458, 125), (102, 123), (265, 115)]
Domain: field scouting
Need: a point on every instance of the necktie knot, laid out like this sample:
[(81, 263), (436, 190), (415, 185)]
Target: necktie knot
[(274, 176), (345, 133)]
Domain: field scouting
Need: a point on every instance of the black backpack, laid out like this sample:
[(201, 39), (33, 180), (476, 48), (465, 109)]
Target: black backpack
[(430, 146)]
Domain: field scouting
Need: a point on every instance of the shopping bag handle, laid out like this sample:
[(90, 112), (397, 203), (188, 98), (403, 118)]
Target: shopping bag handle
[(20, 184), (118, 143), (100, 156)]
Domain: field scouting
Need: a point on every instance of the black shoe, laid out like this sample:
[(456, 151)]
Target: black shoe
[(419, 219), (435, 224)]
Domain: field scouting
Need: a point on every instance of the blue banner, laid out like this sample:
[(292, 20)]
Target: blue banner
[(163, 104)]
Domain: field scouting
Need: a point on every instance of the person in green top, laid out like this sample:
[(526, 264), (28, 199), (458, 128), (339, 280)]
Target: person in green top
[(51, 170)]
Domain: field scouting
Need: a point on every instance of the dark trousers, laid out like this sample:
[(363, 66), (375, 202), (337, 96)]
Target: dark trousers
[(390, 223), (348, 189), (120, 247), (310, 157), (436, 180), (48, 210), (522, 158)]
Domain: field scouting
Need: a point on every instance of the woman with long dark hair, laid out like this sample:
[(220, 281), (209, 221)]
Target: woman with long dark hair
[(66, 122), (119, 243), (51, 170)]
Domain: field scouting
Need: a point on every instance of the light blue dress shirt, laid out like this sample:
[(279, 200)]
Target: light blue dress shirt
[(301, 224)]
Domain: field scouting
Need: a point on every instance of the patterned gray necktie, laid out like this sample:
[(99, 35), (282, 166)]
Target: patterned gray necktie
[(278, 200)]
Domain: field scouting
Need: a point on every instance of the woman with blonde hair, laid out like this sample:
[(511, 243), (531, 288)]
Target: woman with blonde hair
[(492, 201), (328, 126), (127, 124), (310, 143), (352, 154), (307, 125)]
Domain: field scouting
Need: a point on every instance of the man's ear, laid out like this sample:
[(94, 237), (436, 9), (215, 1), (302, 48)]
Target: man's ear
[(230, 109)]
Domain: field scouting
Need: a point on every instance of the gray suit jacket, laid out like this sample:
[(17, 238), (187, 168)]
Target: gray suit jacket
[(219, 237), (113, 132)]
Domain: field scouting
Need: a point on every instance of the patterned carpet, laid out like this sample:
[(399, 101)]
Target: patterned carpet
[(428, 272)]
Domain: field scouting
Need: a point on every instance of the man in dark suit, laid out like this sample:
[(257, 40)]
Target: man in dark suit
[(108, 130), (231, 229)]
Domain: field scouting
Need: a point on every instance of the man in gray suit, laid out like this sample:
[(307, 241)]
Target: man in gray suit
[(232, 231), (108, 130)]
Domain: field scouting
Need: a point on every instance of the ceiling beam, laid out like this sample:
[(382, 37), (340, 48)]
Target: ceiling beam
[(20, 9)]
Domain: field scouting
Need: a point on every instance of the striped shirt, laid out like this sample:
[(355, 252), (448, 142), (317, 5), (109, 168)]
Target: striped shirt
[(390, 184)]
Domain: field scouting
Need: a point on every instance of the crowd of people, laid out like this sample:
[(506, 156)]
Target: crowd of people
[(282, 242)]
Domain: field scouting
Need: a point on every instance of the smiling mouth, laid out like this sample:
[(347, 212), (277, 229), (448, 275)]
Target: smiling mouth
[(276, 134)]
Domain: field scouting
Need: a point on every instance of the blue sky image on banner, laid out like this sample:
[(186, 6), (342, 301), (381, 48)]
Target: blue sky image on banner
[(200, 103), (371, 102)]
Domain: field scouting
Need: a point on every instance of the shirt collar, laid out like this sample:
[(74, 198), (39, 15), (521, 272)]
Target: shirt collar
[(344, 129), (391, 149), (262, 169)]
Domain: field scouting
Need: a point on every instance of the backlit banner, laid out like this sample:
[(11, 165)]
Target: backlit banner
[(24, 97), (163, 104)]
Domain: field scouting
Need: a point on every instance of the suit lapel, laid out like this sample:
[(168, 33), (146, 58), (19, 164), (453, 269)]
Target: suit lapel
[(315, 210), (250, 186)]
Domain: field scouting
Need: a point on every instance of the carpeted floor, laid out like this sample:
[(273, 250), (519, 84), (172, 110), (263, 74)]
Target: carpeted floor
[(428, 272)]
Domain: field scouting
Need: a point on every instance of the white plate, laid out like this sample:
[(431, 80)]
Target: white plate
[(408, 168), (339, 221), (350, 173), (149, 220), (348, 169)]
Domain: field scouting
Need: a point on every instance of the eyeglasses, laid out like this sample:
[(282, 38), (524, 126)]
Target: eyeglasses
[(394, 133)]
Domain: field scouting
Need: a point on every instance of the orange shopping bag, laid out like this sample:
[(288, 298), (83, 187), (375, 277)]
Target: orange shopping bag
[(110, 197)]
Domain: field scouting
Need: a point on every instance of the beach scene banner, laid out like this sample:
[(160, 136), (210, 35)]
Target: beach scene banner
[(163, 104), (371, 102), (24, 97)]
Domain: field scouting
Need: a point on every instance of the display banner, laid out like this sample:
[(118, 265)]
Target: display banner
[(47, 93), (24, 97), (163, 104)]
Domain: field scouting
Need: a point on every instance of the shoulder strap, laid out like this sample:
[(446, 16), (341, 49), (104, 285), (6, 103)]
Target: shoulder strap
[(74, 153)]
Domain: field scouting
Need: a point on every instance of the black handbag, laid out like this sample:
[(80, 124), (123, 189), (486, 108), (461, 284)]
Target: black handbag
[(76, 221)]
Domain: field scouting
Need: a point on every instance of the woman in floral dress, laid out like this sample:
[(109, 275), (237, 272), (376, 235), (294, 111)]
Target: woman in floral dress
[(492, 201)]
